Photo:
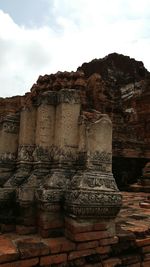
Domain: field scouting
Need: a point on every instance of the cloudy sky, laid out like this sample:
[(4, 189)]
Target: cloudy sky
[(44, 36)]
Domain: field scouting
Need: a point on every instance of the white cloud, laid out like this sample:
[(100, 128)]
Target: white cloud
[(76, 31)]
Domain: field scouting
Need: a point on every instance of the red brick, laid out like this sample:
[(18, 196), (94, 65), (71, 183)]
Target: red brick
[(103, 225), (46, 233), (31, 247), (143, 242), (111, 262), (79, 254), (25, 230), (8, 251), (5, 228), (43, 233), (61, 244), (87, 236), (109, 241), (79, 262), (135, 265), (94, 265), (22, 263), (100, 226), (147, 257), (53, 259), (86, 245), (145, 205), (130, 259), (145, 264), (146, 249), (103, 250), (126, 236), (76, 227), (50, 224)]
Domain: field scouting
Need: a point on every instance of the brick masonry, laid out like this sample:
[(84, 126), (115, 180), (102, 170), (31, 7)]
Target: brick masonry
[(129, 247)]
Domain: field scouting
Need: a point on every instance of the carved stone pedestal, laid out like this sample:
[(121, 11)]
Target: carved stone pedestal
[(50, 199), (93, 195)]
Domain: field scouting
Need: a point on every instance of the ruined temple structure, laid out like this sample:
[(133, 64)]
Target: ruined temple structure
[(56, 165), (115, 85), (65, 148)]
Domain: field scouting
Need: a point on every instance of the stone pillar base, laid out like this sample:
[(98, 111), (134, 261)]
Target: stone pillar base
[(88, 230), (26, 220), (50, 199), (50, 220)]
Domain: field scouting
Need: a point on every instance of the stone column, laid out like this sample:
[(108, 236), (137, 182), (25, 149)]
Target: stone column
[(44, 135), (93, 195), (20, 180), (43, 140), (9, 130), (25, 148), (51, 196)]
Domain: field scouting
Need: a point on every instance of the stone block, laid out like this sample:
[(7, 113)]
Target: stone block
[(145, 264), (87, 236), (109, 241), (130, 259), (22, 263), (82, 253), (78, 227), (138, 264), (26, 230), (8, 251), (29, 248), (103, 249), (49, 221), (112, 262), (53, 259), (144, 205), (59, 245), (143, 242), (87, 245), (6, 228), (57, 232), (146, 249)]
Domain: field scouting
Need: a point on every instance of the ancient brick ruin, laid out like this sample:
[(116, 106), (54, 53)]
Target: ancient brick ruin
[(64, 148), (64, 164)]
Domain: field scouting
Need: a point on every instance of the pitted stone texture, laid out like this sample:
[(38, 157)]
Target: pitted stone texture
[(92, 191)]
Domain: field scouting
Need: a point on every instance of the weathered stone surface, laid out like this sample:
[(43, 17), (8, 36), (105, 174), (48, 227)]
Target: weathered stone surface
[(93, 192), (56, 150), (64, 165), (116, 85)]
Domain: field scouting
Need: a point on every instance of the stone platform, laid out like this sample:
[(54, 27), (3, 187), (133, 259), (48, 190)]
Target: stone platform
[(130, 246)]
